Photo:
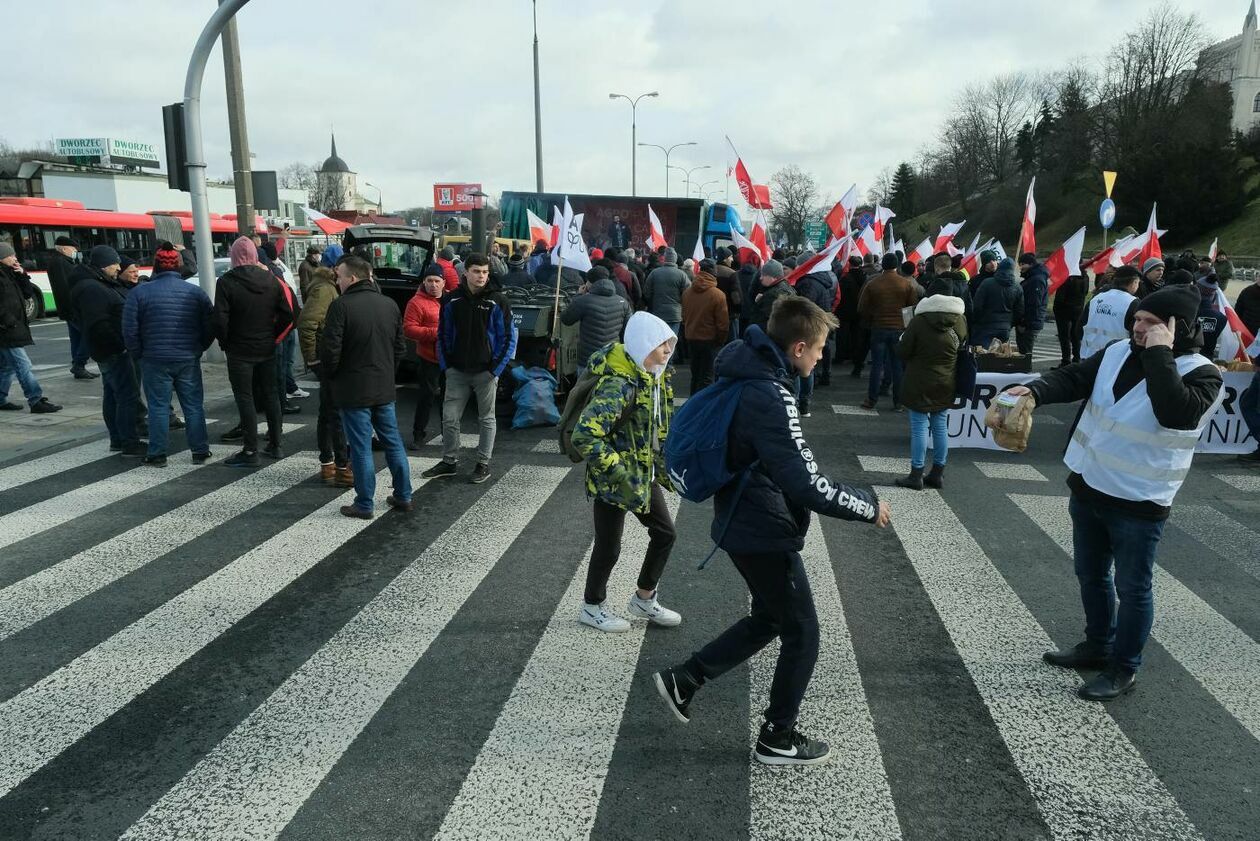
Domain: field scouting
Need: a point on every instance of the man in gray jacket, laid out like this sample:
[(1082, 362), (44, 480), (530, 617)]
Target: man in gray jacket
[(662, 292), (601, 313)]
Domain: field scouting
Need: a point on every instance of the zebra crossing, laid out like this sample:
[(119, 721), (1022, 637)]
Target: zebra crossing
[(238, 661)]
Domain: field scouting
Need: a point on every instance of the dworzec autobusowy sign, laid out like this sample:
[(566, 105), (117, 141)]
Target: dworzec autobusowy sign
[(96, 150)]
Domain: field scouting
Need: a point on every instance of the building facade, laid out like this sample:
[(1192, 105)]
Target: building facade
[(1236, 62), (337, 187)]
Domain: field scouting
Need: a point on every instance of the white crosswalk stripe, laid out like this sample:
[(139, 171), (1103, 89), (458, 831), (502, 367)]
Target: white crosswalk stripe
[(253, 783), (1244, 483), (38, 596), (43, 720), (1010, 470), (51, 465), (841, 409), (467, 441), (542, 769), (1088, 779), (1224, 536)]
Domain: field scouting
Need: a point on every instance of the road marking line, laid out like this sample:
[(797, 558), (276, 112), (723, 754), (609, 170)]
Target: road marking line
[(50, 465), (40, 722), (541, 771), (255, 780), (467, 441), (840, 409), (547, 445), (884, 464), (850, 796), (1005, 470), (1225, 537), (1246, 484), (39, 596), (1087, 778)]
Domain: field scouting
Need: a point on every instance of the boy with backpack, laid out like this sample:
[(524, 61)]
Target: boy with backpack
[(761, 518), (620, 433)]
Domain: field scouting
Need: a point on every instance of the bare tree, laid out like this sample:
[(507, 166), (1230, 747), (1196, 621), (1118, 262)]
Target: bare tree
[(795, 196), (297, 176), (881, 191), (991, 115), (330, 193)]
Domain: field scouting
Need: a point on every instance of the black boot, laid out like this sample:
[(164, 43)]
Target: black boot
[(1108, 685), (1083, 655), (935, 477), (914, 481)]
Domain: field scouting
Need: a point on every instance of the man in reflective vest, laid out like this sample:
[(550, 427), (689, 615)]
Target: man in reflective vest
[(1105, 319), (1147, 400)]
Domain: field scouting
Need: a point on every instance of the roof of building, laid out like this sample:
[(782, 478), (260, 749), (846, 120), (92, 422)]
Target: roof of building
[(334, 163)]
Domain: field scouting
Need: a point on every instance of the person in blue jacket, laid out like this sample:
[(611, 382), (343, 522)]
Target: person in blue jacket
[(763, 527), (1036, 289)]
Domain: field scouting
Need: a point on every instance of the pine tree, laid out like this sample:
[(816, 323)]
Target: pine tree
[(1026, 149), (902, 196)]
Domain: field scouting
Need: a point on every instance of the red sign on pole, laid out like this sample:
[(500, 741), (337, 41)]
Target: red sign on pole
[(454, 197)]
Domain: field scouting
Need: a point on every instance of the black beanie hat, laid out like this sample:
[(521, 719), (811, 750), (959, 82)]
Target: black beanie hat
[(597, 273), (1173, 301), (101, 256), (889, 262)]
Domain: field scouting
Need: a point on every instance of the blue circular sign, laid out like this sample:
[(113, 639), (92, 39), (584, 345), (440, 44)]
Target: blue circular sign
[(1107, 214), (865, 219)]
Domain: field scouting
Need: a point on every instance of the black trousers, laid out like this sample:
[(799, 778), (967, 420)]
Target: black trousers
[(702, 354), (823, 374), (610, 521), (859, 345), (1071, 327), (255, 381), (428, 387), (328, 432), (783, 607)]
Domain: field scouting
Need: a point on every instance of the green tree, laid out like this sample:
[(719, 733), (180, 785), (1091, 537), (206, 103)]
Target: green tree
[(1026, 149), (901, 197)]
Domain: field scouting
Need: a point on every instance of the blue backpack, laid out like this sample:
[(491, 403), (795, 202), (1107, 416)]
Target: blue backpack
[(695, 449)]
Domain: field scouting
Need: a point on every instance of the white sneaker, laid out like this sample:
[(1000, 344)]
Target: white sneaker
[(600, 619), (299, 393), (653, 611)]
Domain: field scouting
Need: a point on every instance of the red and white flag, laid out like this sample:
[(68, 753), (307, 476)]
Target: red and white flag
[(819, 262), (1100, 261), (971, 249), (1027, 239), (1150, 248), (921, 252), (948, 231), (1234, 342), (1124, 250), (557, 225), (882, 215), (758, 235), (698, 253), (748, 252), (867, 244), (538, 229), (1212, 250), (971, 260), (656, 234), (755, 195), (838, 217), (1066, 262)]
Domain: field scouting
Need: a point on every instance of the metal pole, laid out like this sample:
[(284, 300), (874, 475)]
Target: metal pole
[(537, 107), (246, 224), (194, 150), (634, 148), (667, 151)]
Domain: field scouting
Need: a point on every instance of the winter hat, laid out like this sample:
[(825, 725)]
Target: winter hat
[(1028, 259), (1152, 263), (772, 268), (988, 256), (6, 251), (1124, 274), (707, 265), (432, 270), (65, 240), (125, 263), (243, 252), (1180, 302), (1006, 269), (1179, 277), (102, 256), (331, 255), (789, 263), (447, 253), (312, 249), (888, 262), (269, 249), (516, 261), (167, 259), (670, 256), (644, 334), (597, 254), (1207, 281), (855, 262)]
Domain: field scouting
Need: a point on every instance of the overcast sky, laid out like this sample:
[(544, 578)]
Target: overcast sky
[(418, 95)]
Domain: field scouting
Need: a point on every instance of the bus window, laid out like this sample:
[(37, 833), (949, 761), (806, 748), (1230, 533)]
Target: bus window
[(718, 215)]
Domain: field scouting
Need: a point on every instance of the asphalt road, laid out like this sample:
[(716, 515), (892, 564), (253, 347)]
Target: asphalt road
[(203, 653)]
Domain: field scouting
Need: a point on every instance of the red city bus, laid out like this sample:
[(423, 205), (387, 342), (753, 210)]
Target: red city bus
[(32, 226)]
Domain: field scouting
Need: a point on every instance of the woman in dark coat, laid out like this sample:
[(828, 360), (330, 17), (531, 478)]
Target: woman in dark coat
[(929, 348)]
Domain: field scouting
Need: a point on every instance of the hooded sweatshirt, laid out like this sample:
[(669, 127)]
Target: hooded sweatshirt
[(999, 301), (623, 458), (251, 310), (704, 310)]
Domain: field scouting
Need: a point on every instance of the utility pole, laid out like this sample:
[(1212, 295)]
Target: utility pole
[(537, 106), (245, 221)]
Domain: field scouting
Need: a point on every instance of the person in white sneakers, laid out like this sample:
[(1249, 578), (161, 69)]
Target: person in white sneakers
[(621, 433)]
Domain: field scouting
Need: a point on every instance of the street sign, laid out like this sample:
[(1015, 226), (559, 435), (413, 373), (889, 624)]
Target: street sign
[(816, 233), (1109, 181), (1107, 213)]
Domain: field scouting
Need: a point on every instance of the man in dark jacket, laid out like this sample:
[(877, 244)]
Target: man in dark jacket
[(1248, 306), (516, 275), (1036, 289), (97, 302), (252, 314), (949, 281), (820, 287), (855, 337), (988, 268), (1147, 402), (476, 340), (618, 233), (601, 315), (662, 293), (15, 336), (166, 325), (359, 349), (728, 282), (307, 267), (999, 305), (61, 264), (1212, 322), (1152, 276), (761, 523), (880, 306), (771, 287), (1069, 318)]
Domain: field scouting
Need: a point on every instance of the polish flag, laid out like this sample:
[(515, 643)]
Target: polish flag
[(971, 249), (1027, 241), (897, 247), (1066, 262), (755, 195), (748, 252), (538, 229), (882, 215), (1099, 262), (838, 217), (866, 242), (698, 253), (656, 236), (921, 252), (1151, 247), (971, 260), (1212, 250), (948, 231), (758, 234), (761, 197), (1123, 251), (818, 263), (1234, 342)]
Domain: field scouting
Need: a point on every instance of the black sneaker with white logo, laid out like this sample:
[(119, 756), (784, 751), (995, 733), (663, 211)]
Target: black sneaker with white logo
[(676, 689), (789, 747)]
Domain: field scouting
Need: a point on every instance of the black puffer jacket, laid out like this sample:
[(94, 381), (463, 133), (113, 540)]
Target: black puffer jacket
[(15, 288), (60, 267), (786, 484), (850, 293), (952, 284), (251, 311), (98, 306), (819, 287), (602, 314), (361, 346)]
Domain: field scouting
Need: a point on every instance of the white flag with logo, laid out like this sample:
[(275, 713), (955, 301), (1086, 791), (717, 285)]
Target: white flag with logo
[(571, 248)]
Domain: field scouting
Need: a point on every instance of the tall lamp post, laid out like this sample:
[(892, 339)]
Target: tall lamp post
[(667, 151), (700, 189), (537, 107), (634, 133), (380, 208), (688, 174)]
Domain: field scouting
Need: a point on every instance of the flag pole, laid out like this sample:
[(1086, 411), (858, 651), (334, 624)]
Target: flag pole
[(555, 308)]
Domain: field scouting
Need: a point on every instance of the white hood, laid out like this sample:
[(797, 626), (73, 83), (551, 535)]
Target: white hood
[(940, 303), (644, 334)]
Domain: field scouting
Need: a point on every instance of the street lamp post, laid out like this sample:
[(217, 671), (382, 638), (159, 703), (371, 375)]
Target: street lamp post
[(700, 188), (380, 208), (634, 129), (688, 174), (667, 151)]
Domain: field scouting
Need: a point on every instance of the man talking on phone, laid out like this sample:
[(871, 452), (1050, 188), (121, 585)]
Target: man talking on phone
[(1146, 402)]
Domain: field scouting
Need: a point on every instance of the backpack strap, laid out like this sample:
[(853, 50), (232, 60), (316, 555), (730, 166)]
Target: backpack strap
[(739, 492)]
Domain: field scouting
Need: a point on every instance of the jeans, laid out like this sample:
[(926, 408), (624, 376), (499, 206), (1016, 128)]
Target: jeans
[(783, 607), (185, 378), (255, 381), (428, 387), (702, 355), (359, 424), (328, 431), (733, 333), (1025, 339), (14, 363), (884, 352), (78, 346), (121, 394), (824, 365), (284, 362), (919, 424), (610, 521), (1249, 406), (984, 337), (804, 388), (1102, 538), (459, 388)]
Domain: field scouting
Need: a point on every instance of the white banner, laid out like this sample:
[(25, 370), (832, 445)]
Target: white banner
[(1226, 432)]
